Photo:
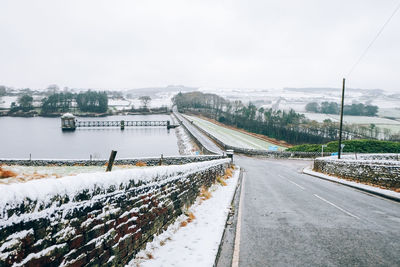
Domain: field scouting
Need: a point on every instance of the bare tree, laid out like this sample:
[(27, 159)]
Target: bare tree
[(52, 89), (3, 90), (145, 100)]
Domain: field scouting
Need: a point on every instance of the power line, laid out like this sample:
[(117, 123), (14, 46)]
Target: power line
[(373, 40)]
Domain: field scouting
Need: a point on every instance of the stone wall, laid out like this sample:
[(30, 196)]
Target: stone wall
[(368, 168), (174, 160), (103, 220)]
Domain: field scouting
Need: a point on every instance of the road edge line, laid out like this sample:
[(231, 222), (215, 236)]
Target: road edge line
[(337, 207), (236, 193), (236, 250), (346, 183)]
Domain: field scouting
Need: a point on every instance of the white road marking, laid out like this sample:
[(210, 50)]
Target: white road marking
[(236, 250), (339, 208), (292, 182), (296, 184)]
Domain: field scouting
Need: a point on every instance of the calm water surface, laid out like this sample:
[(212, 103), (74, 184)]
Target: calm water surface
[(43, 138)]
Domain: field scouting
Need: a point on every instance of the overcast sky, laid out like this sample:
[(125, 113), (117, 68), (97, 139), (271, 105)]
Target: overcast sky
[(207, 43)]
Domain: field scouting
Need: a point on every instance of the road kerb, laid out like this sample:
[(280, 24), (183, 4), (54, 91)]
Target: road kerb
[(366, 188), (236, 251)]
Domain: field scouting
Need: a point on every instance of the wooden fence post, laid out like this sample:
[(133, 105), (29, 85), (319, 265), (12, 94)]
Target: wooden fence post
[(111, 160)]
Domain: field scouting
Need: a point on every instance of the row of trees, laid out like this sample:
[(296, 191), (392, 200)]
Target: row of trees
[(90, 101), (334, 108), (57, 102), (25, 104)]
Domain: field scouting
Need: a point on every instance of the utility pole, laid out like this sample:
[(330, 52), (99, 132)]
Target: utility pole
[(322, 152), (341, 121)]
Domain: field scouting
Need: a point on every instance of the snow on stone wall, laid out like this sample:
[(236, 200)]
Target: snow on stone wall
[(98, 218), (378, 169), (150, 161)]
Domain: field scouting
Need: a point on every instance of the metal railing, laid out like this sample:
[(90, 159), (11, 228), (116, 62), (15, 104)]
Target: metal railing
[(122, 123)]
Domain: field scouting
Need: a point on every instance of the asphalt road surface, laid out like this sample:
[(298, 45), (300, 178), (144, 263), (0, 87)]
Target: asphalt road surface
[(292, 219)]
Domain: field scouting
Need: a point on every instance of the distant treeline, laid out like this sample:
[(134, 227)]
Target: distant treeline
[(90, 101), (334, 108), (288, 126)]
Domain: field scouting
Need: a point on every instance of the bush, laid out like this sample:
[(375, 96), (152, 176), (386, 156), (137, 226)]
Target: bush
[(357, 146)]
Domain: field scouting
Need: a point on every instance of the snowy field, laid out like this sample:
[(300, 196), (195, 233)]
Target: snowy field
[(27, 173), (393, 125), (390, 112), (231, 137), (197, 243), (5, 101), (287, 99), (351, 119), (159, 101)]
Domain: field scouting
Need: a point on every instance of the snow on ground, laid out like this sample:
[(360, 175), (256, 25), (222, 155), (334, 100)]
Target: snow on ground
[(185, 143), (350, 119), (119, 102), (197, 243), (5, 101), (389, 112), (162, 101), (384, 123), (231, 137)]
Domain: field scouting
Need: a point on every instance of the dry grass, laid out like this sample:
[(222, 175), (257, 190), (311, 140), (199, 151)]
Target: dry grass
[(162, 243), (56, 175), (140, 164), (149, 255), (6, 173), (204, 194), (228, 172), (191, 217), (221, 181), (24, 177), (183, 224)]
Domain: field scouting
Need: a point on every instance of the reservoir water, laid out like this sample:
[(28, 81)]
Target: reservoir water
[(43, 139)]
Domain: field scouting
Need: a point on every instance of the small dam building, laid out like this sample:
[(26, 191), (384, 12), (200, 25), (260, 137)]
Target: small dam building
[(68, 122)]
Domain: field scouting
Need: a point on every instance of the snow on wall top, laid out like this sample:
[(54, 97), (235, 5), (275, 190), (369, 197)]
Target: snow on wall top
[(43, 192), (384, 159)]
